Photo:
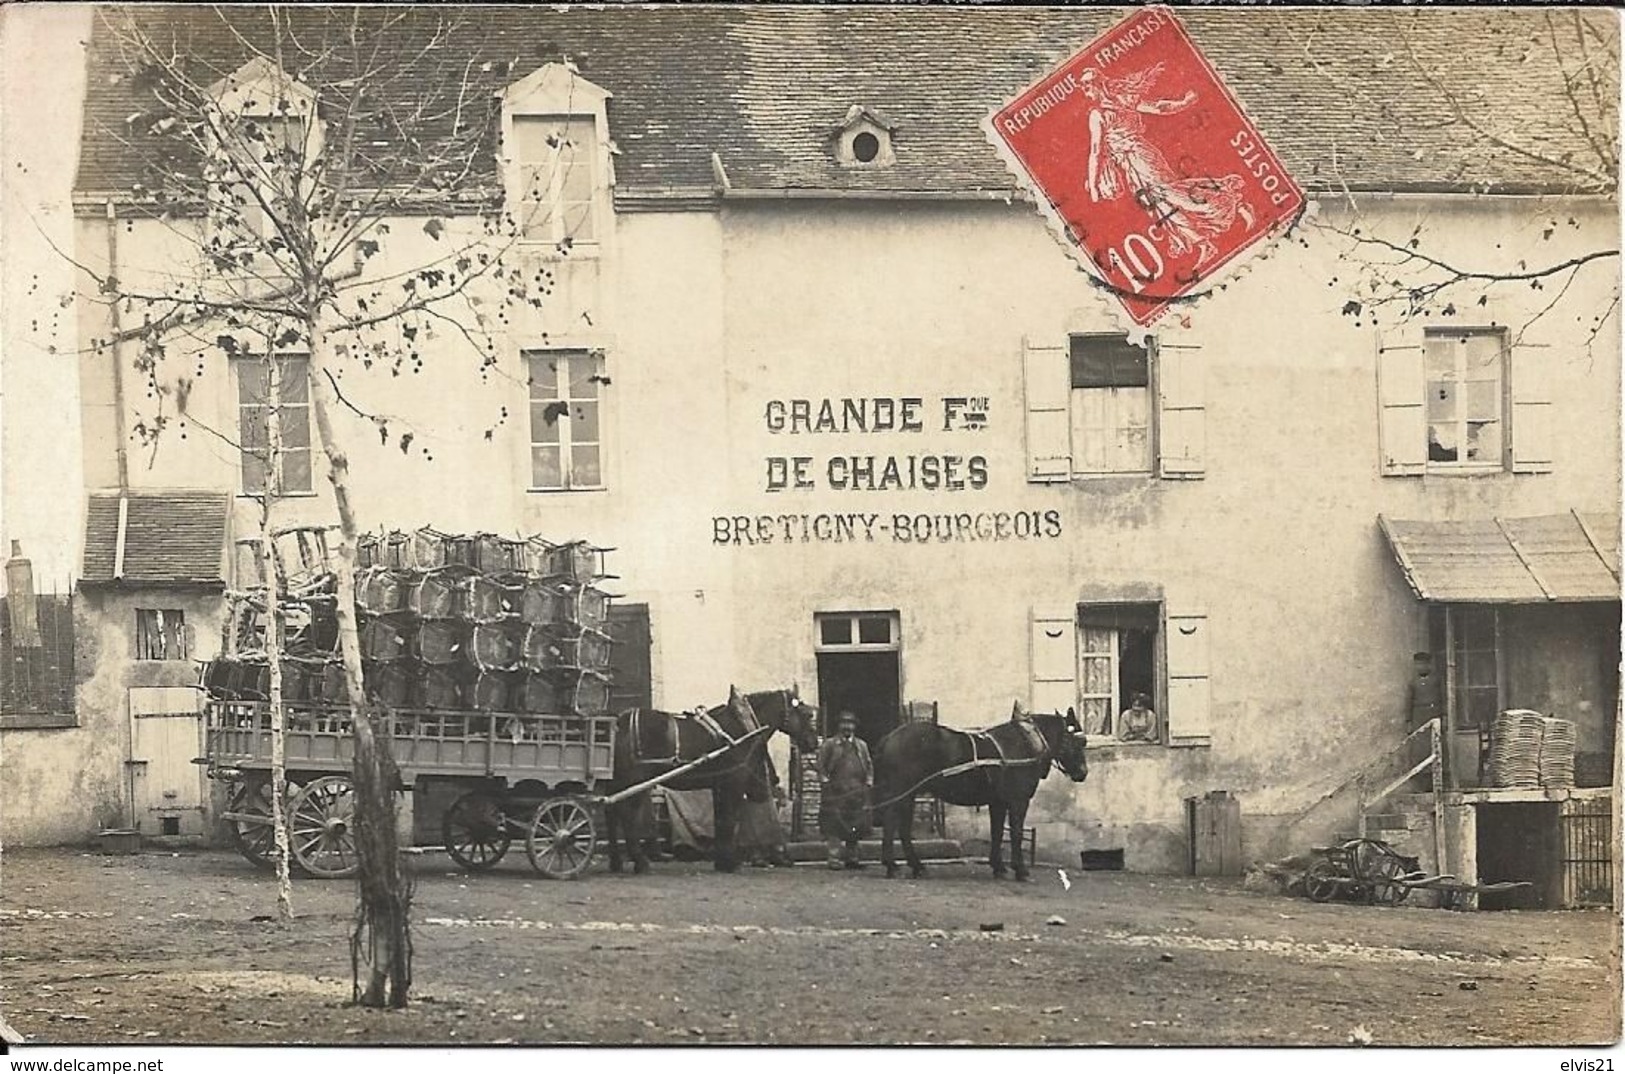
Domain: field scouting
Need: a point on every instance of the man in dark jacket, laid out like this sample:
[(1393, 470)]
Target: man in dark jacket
[(847, 775)]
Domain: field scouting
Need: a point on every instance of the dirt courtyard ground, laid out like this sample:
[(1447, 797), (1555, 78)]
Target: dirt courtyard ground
[(167, 947)]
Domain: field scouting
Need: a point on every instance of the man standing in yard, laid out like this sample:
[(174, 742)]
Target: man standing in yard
[(847, 775)]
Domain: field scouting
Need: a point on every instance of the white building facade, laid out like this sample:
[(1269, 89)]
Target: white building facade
[(861, 425)]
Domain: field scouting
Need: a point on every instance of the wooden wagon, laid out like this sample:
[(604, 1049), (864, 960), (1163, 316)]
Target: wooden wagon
[(521, 776)]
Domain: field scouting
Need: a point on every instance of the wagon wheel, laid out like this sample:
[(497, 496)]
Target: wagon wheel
[(1383, 881), (562, 838), (1321, 882), (321, 828), (476, 831), (254, 839)]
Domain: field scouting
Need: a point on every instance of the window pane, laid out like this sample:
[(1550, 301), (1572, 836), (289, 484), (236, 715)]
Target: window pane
[(253, 472), (1484, 353), (874, 630), (253, 381), (575, 177), (835, 630), (1442, 443), (295, 426), (537, 138), (536, 220), (1475, 628), (1484, 441), (1097, 640), (1442, 398), (583, 370), (1480, 708), (544, 422), (1097, 675), (295, 381), (1095, 715), (1108, 362), (1440, 355), (544, 377), (584, 468), (533, 182), (578, 222), (296, 471), (584, 422), (253, 428), (545, 472), (1484, 399)]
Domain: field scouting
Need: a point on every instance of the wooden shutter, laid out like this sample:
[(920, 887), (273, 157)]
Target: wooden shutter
[(1054, 658), (1188, 701), (1047, 384), (1402, 410), (1182, 428), (1531, 431)]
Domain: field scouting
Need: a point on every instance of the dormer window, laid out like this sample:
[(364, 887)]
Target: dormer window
[(267, 151), (557, 159), (557, 180), (864, 139)]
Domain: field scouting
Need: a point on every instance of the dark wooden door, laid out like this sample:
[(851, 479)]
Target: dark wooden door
[(629, 658)]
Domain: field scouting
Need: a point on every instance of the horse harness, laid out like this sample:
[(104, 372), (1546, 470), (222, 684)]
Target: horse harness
[(700, 716), (1035, 738)]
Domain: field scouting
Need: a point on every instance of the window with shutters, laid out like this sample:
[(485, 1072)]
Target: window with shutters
[(1099, 658), (1117, 661), (1102, 405), (1466, 398), (1110, 405), (1462, 401)]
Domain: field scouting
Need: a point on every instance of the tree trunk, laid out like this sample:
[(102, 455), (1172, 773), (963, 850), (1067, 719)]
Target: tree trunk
[(273, 643), (382, 940)]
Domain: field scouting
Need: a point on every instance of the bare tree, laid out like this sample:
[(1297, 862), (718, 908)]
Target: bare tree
[(284, 154), (1555, 121)]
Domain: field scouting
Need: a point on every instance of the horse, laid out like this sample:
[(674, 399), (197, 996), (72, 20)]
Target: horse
[(999, 767), (650, 743)]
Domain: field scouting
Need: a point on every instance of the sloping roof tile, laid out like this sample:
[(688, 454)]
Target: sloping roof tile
[(1545, 558), (169, 537), (1339, 92)]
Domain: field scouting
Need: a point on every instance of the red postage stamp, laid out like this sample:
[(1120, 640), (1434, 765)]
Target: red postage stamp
[(1147, 163)]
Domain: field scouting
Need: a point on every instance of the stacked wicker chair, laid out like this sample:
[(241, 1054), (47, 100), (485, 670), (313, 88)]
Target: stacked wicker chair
[(449, 624)]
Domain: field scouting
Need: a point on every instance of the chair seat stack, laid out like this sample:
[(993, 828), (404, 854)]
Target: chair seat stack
[(1557, 742), (1515, 746), (445, 621)]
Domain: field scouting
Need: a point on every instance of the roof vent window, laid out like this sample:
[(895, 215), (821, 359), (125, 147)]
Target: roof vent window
[(864, 139)]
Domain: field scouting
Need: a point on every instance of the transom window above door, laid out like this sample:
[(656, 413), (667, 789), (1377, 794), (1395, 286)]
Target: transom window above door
[(858, 630)]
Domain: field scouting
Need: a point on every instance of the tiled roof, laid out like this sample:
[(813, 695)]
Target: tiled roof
[(1569, 557), (1338, 91), (169, 538)]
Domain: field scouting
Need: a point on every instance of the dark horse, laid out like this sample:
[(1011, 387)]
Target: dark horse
[(999, 767), (650, 743)]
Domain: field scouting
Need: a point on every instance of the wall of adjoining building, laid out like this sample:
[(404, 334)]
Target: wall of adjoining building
[(66, 785)]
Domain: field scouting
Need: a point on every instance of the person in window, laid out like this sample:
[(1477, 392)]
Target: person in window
[(1138, 722), (846, 774)]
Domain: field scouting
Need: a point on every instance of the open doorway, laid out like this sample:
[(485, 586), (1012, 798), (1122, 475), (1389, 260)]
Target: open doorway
[(1519, 841), (860, 669)]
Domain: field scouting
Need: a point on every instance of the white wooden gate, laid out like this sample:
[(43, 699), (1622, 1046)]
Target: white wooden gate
[(166, 733)]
